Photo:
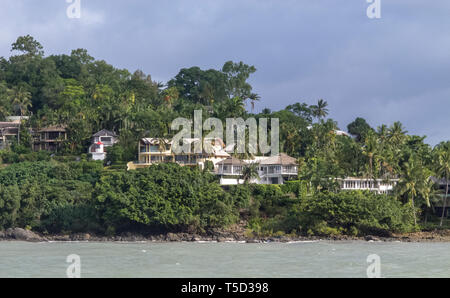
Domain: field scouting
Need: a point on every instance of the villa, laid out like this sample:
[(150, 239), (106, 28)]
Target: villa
[(100, 141), (380, 186), (155, 150), (271, 169), (50, 138)]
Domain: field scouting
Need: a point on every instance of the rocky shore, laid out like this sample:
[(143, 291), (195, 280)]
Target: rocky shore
[(18, 234)]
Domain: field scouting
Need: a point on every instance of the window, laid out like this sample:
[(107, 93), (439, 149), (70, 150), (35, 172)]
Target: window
[(106, 140), (53, 135)]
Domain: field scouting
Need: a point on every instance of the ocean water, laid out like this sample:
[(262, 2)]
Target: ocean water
[(225, 260)]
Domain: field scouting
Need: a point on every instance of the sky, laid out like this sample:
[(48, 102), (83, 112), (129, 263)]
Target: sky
[(396, 68)]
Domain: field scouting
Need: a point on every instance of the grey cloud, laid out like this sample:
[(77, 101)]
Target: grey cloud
[(384, 70)]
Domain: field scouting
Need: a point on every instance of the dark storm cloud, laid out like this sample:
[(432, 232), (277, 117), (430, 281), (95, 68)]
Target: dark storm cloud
[(395, 68)]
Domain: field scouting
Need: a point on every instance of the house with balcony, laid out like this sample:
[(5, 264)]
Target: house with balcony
[(100, 142), (50, 138), (9, 131), (157, 150), (278, 169), (272, 170), (379, 186), (230, 171)]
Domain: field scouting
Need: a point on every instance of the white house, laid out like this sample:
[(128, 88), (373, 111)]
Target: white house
[(380, 186), (100, 141), (272, 169)]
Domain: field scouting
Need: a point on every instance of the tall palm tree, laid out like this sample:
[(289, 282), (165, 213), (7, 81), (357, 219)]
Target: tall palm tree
[(21, 99), (370, 150), (443, 171), (291, 138), (396, 134), (320, 110), (383, 132), (253, 98), (249, 172), (429, 192), (412, 181)]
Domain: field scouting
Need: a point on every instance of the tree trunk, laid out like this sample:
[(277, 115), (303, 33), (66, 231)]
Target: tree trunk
[(444, 205), (414, 210)]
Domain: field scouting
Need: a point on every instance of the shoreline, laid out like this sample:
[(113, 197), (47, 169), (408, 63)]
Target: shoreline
[(18, 234)]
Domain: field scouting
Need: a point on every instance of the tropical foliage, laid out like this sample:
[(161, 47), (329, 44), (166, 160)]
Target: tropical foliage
[(66, 192)]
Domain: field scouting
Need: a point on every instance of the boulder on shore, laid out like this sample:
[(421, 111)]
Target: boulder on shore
[(371, 238), (22, 235)]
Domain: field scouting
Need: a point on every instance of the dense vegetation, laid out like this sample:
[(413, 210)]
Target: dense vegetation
[(56, 197), (68, 193)]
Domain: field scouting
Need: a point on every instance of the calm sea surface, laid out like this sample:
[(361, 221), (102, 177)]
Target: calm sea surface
[(304, 259)]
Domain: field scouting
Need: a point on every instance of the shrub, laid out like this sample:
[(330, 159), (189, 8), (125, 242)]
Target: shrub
[(166, 195)]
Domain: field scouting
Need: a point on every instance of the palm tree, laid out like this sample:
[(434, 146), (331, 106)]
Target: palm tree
[(443, 171), (250, 171), (383, 132), (320, 110), (253, 98), (235, 106), (21, 99), (370, 150), (412, 181), (396, 134), (429, 192)]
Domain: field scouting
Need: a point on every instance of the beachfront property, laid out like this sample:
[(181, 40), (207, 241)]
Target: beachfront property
[(9, 131), (50, 138), (157, 150), (271, 169), (380, 186), (100, 142)]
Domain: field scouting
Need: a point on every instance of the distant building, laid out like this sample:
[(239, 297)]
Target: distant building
[(342, 133), (100, 141), (336, 132), (440, 205), (379, 186), (9, 131), (272, 170), (50, 138), (154, 151), (17, 119)]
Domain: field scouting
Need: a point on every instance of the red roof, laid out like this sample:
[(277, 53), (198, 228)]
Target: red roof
[(99, 143)]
